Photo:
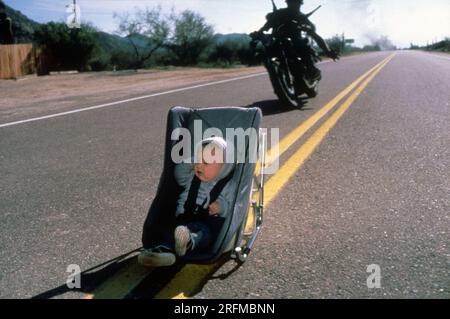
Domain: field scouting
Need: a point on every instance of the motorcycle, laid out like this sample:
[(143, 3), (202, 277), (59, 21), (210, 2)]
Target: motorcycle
[(286, 69)]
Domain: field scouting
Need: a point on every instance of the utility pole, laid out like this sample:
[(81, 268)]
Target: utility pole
[(75, 10), (73, 20)]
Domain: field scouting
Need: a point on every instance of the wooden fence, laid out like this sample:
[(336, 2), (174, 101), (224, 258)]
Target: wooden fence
[(17, 60)]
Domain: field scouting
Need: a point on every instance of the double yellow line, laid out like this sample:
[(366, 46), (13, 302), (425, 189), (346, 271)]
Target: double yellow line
[(298, 132), (188, 279), (276, 182)]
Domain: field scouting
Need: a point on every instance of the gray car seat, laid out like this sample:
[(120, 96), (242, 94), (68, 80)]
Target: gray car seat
[(161, 216)]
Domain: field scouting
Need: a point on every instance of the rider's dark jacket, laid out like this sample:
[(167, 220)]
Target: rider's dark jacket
[(284, 16)]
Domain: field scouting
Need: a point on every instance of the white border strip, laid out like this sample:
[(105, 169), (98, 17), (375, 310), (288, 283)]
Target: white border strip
[(128, 100), (137, 98), (439, 56)]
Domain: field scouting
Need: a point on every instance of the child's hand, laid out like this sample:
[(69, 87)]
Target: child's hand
[(214, 209)]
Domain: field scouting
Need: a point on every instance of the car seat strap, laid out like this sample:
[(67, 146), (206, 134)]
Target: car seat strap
[(191, 206)]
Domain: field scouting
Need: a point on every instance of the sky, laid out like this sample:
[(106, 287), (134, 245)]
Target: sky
[(403, 21)]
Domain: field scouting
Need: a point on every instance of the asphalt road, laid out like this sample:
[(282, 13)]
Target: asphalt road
[(75, 189)]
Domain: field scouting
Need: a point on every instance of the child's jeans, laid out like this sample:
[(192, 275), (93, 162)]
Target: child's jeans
[(204, 230), (203, 233), (200, 235)]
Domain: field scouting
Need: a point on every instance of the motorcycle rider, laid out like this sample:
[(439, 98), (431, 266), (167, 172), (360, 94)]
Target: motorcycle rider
[(302, 46)]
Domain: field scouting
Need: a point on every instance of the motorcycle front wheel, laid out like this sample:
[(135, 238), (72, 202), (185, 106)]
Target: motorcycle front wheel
[(283, 83), (311, 87)]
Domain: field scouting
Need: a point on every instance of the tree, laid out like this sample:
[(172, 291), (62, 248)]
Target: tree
[(191, 36), (224, 53), (337, 43), (69, 48), (186, 35), (233, 50), (6, 33), (149, 23)]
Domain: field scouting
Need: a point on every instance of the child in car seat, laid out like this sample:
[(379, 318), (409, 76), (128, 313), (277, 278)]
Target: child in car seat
[(201, 206)]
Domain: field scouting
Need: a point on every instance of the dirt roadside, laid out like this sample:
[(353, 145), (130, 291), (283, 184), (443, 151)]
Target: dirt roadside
[(59, 92)]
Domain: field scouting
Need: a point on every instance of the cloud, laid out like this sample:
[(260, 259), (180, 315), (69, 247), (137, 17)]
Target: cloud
[(403, 21)]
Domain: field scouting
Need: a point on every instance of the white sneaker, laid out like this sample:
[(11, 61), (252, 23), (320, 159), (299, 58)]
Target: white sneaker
[(159, 256), (182, 240)]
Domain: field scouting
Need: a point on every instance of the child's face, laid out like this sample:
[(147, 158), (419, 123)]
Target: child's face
[(211, 163), (207, 172)]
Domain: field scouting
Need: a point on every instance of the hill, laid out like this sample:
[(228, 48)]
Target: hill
[(111, 42), (22, 26), (114, 51), (231, 37)]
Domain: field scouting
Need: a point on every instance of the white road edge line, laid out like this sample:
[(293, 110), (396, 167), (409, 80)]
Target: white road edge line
[(90, 108), (439, 56), (129, 100)]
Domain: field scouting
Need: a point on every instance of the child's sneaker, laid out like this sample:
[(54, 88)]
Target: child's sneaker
[(157, 257), (183, 240)]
